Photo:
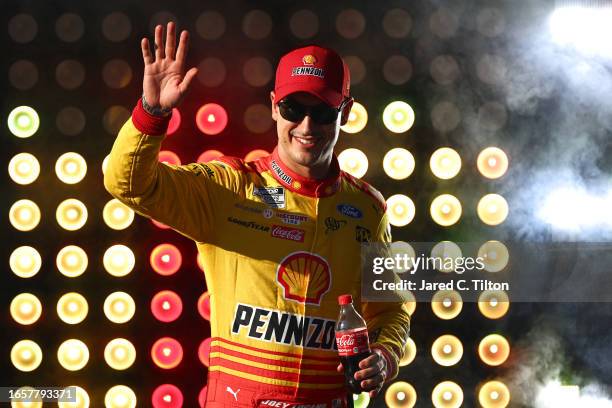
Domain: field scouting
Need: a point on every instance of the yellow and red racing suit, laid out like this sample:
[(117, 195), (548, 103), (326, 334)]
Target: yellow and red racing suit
[(277, 250)]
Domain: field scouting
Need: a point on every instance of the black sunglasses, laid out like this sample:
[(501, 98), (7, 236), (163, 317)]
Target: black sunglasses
[(321, 114)]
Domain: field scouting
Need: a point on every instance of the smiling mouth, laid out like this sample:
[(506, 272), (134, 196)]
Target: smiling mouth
[(306, 141)]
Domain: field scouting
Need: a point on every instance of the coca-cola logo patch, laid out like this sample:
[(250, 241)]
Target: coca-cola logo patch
[(292, 234)]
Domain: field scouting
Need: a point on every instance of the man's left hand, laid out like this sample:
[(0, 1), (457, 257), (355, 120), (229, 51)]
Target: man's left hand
[(372, 373)]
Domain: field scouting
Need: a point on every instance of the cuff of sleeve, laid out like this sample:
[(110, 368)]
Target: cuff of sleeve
[(147, 123), (391, 359)]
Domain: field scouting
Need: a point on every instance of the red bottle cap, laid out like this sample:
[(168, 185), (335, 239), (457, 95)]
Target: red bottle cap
[(345, 299)]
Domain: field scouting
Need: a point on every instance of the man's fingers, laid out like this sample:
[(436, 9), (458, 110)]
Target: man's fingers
[(372, 383), (184, 85), (159, 44), (367, 373), (170, 40), (369, 361), (340, 368), (182, 47), (146, 51)]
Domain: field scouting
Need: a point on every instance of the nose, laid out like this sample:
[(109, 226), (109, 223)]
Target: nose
[(305, 126)]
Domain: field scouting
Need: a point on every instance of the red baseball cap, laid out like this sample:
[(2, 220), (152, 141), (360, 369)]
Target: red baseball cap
[(316, 70)]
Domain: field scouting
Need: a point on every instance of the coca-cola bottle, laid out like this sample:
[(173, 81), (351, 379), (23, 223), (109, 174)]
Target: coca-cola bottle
[(352, 341)]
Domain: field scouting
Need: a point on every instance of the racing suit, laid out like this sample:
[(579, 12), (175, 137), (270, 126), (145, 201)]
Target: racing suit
[(277, 250)]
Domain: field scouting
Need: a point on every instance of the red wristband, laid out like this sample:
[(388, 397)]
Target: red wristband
[(147, 123)]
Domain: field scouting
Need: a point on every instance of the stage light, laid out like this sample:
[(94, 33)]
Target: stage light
[(204, 351), (494, 394), (167, 353), (410, 351), (119, 260), (403, 250), (583, 26), (32, 400), (73, 354), (166, 306), (166, 259), (495, 256), (257, 71), (169, 157), (492, 209), (493, 304), (117, 215), (204, 305), (26, 355), (71, 261), (445, 116), (446, 304), (72, 308), (105, 163), (24, 215), (202, 396), (255, 155), (70, 168), (400, 394), (24, 168), (354, 162), (361, 400), (211, 119), (167, 396), (400, 210), (398, 163), (445, 163), (447, 394), (175, 122), (447, 252), (304, 24), (409, 302), (444, 69), (397, 70), (357, 120), (447, 350), (23, 121), (82, 399), (492, 162), (209, 155), (398, 117), (120, 396), (350, 23), (71, 214), (445, 210), (119, 354), (25, 308), (200, 261), (119, 307), (25, 261), (494, 350)]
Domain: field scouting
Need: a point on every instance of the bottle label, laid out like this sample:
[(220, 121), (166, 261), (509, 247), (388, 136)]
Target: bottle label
[(352, 342)]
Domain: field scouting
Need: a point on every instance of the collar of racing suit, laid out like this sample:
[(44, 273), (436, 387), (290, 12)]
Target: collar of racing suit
[(303, 185)]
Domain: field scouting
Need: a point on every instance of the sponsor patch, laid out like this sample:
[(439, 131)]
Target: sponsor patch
[(287, 179), (332, 224), (249, 224), (362, 234), (305, 277), (273, 196), (292, 234), (310, 71), (268, 213), (292, 219), (349, 211)]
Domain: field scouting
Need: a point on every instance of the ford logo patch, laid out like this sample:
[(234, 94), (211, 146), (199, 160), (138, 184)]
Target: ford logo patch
[(349, 211)]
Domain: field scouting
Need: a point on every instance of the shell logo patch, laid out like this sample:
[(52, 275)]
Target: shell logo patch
[(309, 59), (305, 277)]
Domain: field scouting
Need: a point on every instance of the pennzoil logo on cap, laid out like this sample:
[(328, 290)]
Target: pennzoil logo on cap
[(309, 59)]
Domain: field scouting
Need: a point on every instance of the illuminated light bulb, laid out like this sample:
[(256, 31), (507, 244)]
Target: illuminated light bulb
[(492, 162), (23, 121), (400, 394), (209, 155), (410, 302), (446, 304), (169, 157), (447, 394), (204, 351), (81, 401), (73, 354), (72, 308), (200, 262), (354, 162), (494, 394), (403, 250), (24, 215), (445, 210), (25, 261), (204, 305), (495, 256), (357, 120), (167, 353), (211, 119), (167, 396), (398, 163), (492, 209), (119, 354), (166, 259), (166, 306), (398, 117), (400, 210), (120, 396), (70, 168), (445, 163), (494, 349), (119, 307), (175, 121), (119, 260), (444, 253), (32, 399), (361, 400), (256, 154), (25, 308), (105, 163), (71, 261), (410, 351), (493, 304), (24, 168), (447, 350), (71, 214), (117, 215)]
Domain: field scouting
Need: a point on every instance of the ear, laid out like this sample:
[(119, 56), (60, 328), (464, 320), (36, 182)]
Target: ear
[(274, 107), (346, 111)]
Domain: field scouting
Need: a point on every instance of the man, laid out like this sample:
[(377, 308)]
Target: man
[(280, 237)]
